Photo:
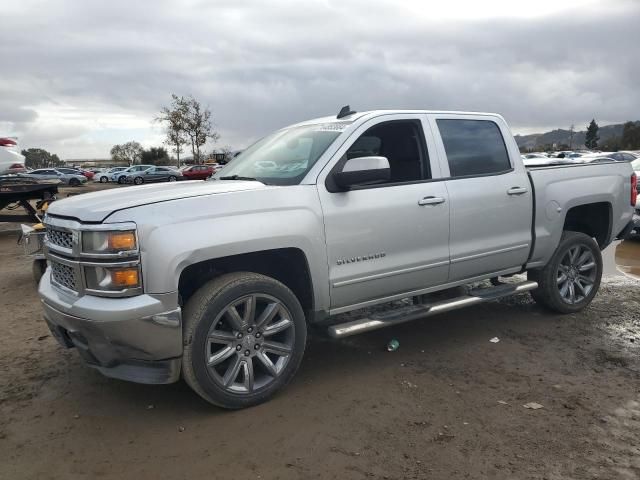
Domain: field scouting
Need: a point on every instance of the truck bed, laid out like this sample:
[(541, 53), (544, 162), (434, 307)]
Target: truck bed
[(559, 188)]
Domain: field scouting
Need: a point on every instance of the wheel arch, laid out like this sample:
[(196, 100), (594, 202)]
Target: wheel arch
[(593, 219), (287, 265)]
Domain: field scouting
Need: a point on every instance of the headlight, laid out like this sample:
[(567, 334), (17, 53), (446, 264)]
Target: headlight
[(112, 279), (109, 242)]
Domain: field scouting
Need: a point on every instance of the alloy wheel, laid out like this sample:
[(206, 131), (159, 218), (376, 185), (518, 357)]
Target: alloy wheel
[(576, 274), (249, 343)]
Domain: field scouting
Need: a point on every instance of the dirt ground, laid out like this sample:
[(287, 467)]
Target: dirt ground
[(447, 405)]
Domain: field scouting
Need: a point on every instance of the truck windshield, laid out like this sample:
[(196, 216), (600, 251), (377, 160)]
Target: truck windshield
[(284, 157)]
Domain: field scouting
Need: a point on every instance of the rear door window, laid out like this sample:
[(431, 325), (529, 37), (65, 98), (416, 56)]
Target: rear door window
[(473, 147)]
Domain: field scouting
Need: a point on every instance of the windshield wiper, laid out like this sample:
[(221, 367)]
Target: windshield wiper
[(239, 177)]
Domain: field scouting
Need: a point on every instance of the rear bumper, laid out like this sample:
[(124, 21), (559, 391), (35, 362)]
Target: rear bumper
[(135, 339), (632, 227)]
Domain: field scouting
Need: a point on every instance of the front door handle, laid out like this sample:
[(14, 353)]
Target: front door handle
[(430, 201), (517, 191)]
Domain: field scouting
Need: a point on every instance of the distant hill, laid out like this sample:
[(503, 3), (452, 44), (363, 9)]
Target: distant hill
[(562, 137)]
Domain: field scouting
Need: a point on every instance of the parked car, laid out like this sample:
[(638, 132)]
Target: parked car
[(72, 179), (76, 171), (198, 172), (121, 176), (87, 173), (217, 282), (617, 156), (11, 161), (537, 161), (106, 175), (154, 174)]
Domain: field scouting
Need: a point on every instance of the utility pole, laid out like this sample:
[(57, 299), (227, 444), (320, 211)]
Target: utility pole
[(571, 131)]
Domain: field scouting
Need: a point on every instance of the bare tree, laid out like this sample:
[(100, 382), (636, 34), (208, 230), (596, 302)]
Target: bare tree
[(199, 127), (129, 152), (174, 118), (187, 123)]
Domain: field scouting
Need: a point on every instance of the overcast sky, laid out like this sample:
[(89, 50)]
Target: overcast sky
[(78, 76)]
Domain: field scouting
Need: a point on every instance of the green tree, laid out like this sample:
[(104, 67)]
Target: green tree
[(40, 158), (611, 144), (155, 156), (591, 137), (129, 152), (630, 136)]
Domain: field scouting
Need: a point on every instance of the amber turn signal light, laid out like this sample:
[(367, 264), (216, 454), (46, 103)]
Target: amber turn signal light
[(125, 277), (122, 241)]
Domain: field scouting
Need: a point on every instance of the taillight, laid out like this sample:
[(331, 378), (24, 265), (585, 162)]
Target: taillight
[(7, 142), (634, 190)]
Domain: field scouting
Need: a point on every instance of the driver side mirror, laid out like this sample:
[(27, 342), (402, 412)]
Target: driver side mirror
[(363, 171)]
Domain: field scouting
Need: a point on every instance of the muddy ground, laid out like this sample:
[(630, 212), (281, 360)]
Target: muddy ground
[(447, 405)]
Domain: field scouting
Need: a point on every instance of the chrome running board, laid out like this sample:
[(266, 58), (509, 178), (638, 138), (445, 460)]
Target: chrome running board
[(413, 312)]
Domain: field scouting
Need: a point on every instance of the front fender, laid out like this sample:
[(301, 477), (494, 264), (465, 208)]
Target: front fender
[(180, 233)]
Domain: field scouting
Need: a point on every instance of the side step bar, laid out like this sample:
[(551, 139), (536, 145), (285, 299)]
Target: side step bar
[(413, 312)]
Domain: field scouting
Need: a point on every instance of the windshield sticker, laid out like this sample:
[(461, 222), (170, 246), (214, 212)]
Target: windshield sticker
[(332, 127)]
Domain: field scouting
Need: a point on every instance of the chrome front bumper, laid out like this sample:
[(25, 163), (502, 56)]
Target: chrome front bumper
[(135, 338)]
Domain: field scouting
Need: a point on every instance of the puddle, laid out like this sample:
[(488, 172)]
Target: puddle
[(627, 257)]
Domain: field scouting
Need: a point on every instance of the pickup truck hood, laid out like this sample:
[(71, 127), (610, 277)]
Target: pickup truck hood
[(97, 206)]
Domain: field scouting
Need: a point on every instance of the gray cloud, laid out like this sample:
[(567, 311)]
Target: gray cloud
[(79, 76)]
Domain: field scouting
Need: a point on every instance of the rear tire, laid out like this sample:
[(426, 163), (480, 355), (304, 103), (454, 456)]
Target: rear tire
[(568, 283), (244, 337)]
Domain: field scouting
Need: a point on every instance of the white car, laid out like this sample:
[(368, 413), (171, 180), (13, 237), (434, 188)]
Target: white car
[(121, 176), (70, 179), (105, 175), (11, 161)]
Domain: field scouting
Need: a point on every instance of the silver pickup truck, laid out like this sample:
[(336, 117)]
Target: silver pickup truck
[(219, 281)]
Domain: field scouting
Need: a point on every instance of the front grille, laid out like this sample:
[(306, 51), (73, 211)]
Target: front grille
[(64, 275), (60, 238)]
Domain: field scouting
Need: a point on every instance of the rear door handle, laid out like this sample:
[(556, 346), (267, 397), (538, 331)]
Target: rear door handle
[(430, 201), (517, 191)]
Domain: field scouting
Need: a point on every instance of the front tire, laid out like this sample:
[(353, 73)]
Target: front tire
[(568, 283), (121, 180), (138, 181), (74, 182), (172, 178), (104, 179), (244, 336)]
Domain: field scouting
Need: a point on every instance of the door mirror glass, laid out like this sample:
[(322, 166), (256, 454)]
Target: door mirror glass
[(363, 171)]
